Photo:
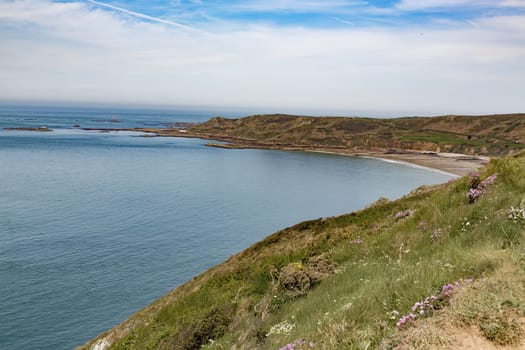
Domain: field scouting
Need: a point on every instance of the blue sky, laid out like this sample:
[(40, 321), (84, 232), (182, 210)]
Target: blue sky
[(319, 13), (344, 57)]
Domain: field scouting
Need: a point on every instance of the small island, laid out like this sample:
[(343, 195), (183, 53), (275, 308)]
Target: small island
[(43, 128)]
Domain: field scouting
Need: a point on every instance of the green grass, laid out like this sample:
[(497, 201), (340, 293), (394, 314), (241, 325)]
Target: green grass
[(438, 137), (460, 143), (398, 262)]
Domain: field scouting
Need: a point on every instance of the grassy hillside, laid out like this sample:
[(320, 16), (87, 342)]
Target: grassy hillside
[(482, 135), (353, 281)]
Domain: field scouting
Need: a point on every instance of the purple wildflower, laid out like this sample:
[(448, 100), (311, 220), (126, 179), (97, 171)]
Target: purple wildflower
[(447, 289), (403, 214), (477, 188), (474, 180), (473, 194), (489, 180), (297, 343), (425, 307)]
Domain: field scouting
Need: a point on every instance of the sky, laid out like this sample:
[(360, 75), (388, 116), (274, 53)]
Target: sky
[(346, 57)]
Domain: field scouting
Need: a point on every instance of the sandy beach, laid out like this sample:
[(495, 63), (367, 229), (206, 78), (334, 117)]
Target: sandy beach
[(451, 163), (457, 164)]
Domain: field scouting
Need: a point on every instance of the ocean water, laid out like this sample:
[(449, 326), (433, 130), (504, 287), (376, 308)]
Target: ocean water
[(94, 226)]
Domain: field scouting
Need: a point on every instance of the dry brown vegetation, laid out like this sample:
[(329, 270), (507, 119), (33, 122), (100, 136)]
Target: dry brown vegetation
[(482, 135)]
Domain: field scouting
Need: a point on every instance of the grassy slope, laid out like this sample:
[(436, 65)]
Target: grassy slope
[(339, 292), (486, 135)]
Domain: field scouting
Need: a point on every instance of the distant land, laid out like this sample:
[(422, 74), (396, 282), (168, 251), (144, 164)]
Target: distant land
[(40, 128), (439, 268), (456, 144), (476, 135)]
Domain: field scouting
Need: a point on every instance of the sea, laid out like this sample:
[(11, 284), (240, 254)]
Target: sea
[(96, 225)]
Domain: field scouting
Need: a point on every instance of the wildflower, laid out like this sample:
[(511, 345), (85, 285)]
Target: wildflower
[(403, 214), (422, 226), (517, 214), (447, 289), (477, 187), (425, 307), (394, 314), (489, 180), (281, 328), (473, 194), (474, 180), (436, 234), (298, 342)]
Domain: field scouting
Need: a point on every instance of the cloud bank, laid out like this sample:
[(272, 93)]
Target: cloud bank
[(88, 53)]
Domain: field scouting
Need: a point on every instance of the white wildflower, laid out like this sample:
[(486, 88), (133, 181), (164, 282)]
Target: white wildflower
[(283, 328)]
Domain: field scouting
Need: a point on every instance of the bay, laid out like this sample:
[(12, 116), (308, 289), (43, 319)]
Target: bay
[(95, 226)]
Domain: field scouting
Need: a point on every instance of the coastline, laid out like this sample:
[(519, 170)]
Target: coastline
[(451, 163), (400, 160), (454, 164)]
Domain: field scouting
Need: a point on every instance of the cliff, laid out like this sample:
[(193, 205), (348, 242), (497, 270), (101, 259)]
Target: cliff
[(442, 267)]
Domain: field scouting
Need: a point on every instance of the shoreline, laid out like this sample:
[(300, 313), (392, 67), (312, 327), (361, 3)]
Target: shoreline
[(397, 160), (450, 163), (456, 165)]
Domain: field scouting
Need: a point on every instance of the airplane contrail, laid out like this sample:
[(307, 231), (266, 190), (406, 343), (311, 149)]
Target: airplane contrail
[(343, 21), (141, 15)]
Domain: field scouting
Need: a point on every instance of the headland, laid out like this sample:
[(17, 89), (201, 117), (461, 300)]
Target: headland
[(454, 144)]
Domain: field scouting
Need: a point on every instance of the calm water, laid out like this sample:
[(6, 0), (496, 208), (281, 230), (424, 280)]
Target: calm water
[(94, 226)]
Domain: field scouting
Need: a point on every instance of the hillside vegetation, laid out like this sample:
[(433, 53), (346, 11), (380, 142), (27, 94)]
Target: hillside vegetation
[(441, 268), (483, 135)]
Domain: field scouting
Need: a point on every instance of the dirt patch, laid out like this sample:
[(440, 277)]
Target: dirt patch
[(441, 335), (471, 338)]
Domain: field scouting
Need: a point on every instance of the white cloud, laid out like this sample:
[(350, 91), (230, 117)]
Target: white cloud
[(415, 5), (514, 3), (74, 52), (293, 5)]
